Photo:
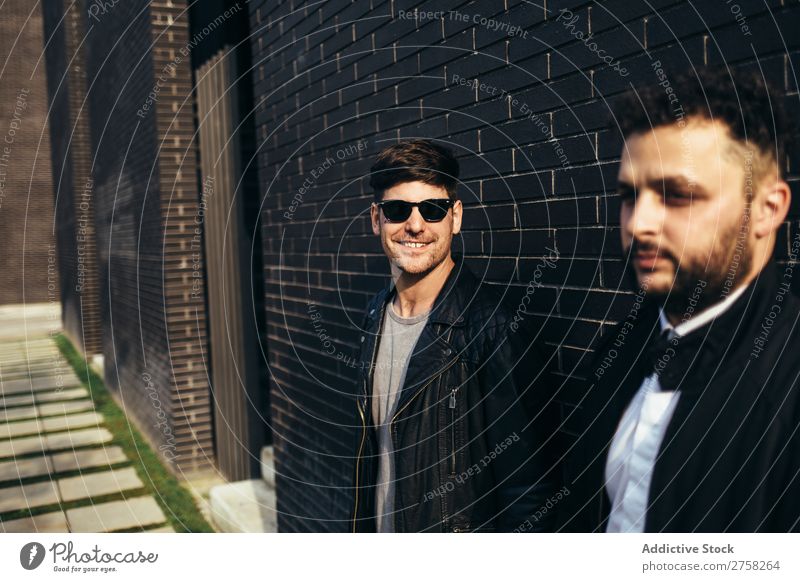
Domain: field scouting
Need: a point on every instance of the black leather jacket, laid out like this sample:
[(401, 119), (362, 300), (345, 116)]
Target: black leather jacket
[(473, 432)]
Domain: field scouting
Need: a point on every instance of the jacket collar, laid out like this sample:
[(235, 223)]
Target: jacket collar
[(706, 316), (730, 334), (449, 308), (729, 337)]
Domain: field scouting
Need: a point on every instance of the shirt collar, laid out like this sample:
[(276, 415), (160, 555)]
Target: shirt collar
[(702, 318)]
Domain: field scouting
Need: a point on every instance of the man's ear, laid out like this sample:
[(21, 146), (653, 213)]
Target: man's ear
[(458, 213), (771, 207), (375, 215)]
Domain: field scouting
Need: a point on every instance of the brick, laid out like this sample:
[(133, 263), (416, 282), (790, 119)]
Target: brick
[(27, 251)]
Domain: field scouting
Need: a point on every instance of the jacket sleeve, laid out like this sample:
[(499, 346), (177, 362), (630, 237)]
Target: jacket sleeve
[(522, 431)]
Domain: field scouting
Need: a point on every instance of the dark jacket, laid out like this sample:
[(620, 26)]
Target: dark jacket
[(730, 457), (472, 423)]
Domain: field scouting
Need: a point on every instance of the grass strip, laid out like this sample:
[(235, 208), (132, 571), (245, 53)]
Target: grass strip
[(176, 502)]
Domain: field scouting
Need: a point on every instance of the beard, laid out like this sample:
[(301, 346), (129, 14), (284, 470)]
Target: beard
[(699, 283), (417, 265)]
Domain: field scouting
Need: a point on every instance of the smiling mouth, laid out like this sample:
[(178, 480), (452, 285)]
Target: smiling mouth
[(413, 245)]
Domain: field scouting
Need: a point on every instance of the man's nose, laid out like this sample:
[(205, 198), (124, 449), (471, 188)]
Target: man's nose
[(415, 222), (647, 215)]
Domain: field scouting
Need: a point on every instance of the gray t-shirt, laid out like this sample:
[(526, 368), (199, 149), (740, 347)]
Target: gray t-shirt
[(397, 341)]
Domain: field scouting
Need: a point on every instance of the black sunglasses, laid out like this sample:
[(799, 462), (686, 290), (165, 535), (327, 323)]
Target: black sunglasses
[(432, 210)]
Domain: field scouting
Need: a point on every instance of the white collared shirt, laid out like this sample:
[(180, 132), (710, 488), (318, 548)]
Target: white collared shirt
[(636, 443)]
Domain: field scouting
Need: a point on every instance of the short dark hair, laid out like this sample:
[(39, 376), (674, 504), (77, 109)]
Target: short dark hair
[(418, 160), (749, 106)]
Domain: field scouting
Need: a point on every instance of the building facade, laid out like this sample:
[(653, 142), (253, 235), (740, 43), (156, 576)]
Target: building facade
[(227, 147), (142, 182), (30, 260), (72, 176)]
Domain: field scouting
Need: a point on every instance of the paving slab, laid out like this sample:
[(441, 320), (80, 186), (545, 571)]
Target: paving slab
[(59, 408), (51, 396), (19, 314), (71, 421), (28, 346), (35, 327), (21, 339), (87, 459), (164, 529), (16, 357), (22, 469), (97, 484), (55, 522), (20, 351), (76, 438), (65, 394), (18, 400), (35, 366), (13, 348), (17, 429), (31, 344), (38, 384), (28, 496), (116, 515), (7, 414), (22, 446), (54, 441)]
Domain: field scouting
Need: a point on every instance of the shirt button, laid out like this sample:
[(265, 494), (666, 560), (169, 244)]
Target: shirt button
[(362, 339), (448, 351), (371, 311)]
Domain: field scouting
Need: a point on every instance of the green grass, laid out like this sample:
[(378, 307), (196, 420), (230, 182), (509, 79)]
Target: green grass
[(176, 502)]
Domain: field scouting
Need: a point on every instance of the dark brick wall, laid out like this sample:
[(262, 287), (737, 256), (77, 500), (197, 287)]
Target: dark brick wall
[(26, 191), (330, 76), (146, 193), (64, 25)]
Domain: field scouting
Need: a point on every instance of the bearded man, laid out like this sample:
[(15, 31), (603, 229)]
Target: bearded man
[(691, 421)]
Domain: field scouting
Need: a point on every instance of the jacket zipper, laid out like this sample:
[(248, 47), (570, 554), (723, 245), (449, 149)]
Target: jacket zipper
[(358, 461), (362, 413), (452, 407), (418, 392), (392, 427)]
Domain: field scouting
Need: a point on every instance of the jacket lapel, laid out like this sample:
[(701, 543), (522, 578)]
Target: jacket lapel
[(714, 394)]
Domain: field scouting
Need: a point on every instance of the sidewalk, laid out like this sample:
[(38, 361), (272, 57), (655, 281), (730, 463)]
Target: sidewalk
[(58, 470)]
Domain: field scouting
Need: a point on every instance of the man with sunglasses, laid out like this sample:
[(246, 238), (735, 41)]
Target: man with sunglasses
[(455, 416)]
